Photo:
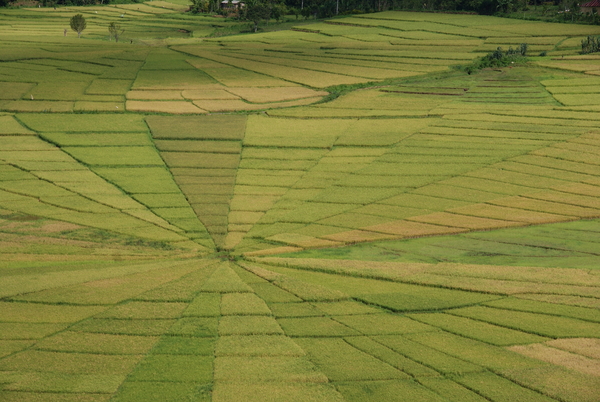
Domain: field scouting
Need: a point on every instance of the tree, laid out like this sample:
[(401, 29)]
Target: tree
[(256, 11), (278, 11), (115, 31), (78, 24), (200, 6)]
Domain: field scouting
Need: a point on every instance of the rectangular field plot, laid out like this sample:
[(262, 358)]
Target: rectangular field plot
[(153, 200), (252, 181), (238, 104), (173, 107), (145, 310), (18, 312), (558, 382), (70, 363), (58, 91), (224, 391), (174, 79), (197, 127), (391, 357), (200, 160), (486, 123), (262, 95), (273, 294), (316, 79), (314, 327), (108, 87), (170, 368), (330, 67), (14, 90), (8, 125), (243, 304), (140, 179), (98, 343), (257, 345), (248, 325), (29, 331), (294, 310), (547, 308), (475, 352), (343, 195), (263, 131), (451, 390), (18, 143), (116, 155), (232, 77), (494, 387), (269, 368), (540, 324), (160, 389), (92, 106), (342, 362), (378, 100), (195, 327), (477, 330), (382, 324), (155, 95), (207, 146), (39, 106), (509, 214), (77, 123), (319, 111), (178, 345), (391, 295), (353, 220), (438, 361)]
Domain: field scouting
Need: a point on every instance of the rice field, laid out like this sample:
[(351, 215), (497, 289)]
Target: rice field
[(335, 212)]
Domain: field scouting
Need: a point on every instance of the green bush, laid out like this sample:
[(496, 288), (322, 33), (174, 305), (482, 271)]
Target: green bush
[(590, 45), (499, 58)]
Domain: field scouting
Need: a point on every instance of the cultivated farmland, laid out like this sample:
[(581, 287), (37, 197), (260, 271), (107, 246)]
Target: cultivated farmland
[(335, 212)]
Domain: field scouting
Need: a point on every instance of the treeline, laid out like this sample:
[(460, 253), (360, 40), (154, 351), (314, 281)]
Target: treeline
[(330, 8), (53, 3), (554, 10), (324, 8)]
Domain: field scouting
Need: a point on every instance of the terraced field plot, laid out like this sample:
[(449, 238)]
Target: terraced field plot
[(327, 213)]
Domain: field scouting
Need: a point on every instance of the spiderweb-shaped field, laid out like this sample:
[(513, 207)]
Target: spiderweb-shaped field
[(213, 224)]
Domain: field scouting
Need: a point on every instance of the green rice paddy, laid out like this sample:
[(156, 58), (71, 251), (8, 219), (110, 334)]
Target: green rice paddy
[(335, 212)]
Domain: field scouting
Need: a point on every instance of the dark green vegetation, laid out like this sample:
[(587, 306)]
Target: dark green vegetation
[(329, 213), (590, 44), (78, 24), (500, 58)]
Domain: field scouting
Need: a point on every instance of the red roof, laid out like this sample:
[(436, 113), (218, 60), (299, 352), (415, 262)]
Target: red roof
[(593, 3)]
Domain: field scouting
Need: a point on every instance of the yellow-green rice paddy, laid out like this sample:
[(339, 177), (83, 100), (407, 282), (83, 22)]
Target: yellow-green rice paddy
[(335, 212)]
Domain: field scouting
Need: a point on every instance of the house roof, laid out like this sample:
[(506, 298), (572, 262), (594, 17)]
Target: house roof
[(593, 3)]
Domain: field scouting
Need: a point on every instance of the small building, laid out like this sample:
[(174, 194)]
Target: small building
[(590, 7), (236, 4)]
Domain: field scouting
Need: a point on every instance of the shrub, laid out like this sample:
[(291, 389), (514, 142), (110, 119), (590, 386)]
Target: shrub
[(499, 58), (590, 45), (78, 24)]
